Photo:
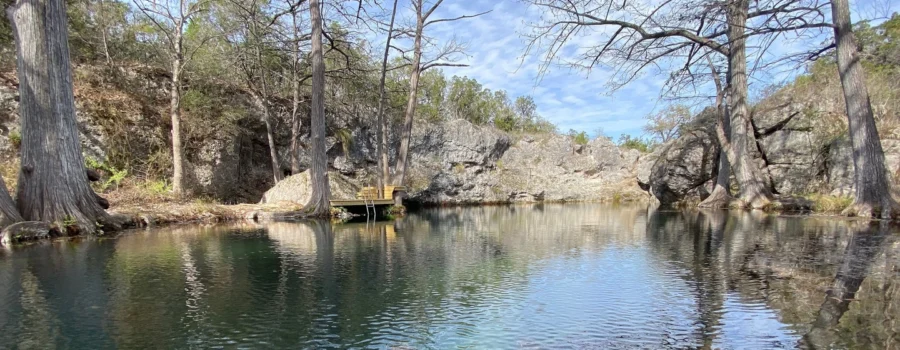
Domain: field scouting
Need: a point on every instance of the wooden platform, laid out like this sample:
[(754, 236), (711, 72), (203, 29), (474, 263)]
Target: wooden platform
[(360, 202), (368, 195)]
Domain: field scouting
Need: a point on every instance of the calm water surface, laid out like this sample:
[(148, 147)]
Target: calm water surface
[(548, 276)]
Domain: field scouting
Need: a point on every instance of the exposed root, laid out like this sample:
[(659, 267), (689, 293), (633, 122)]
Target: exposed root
[(888, 210), (719, 199)]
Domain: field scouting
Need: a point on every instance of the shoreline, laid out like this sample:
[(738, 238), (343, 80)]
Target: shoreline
[(161, 215)]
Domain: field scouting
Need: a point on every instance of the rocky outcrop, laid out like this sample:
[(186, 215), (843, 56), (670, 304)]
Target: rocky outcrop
[(680, 167), (296, 189), (460, 163)]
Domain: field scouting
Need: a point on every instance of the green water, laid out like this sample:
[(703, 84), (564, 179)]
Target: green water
[(547, 276)]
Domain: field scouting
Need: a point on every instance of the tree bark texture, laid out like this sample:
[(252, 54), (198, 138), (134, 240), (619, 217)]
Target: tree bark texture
[(403, 159), (319, 201), (381, 130), (8, 212), (720, 197), (873, 194), (53, 185), (753, 189)]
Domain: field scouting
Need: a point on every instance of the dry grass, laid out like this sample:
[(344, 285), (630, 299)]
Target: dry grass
[(823, 203)]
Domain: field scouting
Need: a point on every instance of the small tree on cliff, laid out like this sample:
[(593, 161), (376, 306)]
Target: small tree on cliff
[(52, 185), (423, 12), (171, 18)]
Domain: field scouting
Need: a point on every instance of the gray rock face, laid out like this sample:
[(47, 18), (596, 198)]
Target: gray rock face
[(840, 165), (459, 163), (680, 167), (296, 189)]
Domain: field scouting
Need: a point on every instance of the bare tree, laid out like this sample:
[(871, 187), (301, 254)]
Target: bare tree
[(251, 48), (873, 194), (423, 12), (171, 18), (53, 184), (666, 124), (295, 91), (321, 193), (381, 128), (677, 36)]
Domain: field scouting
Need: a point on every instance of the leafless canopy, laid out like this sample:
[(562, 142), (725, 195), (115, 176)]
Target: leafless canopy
[(671, 36)]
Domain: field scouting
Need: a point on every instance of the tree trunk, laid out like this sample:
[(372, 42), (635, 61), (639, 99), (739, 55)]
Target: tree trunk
[(403, 159), (263, 105), (318, 203), (295, 111), (175, 112), (53, 184), (381, 129), (873, 192), (8, 212), (720, 197), (103, 36), (753, 190)]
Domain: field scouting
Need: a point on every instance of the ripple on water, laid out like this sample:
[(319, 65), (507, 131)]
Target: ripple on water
[(585, 277)]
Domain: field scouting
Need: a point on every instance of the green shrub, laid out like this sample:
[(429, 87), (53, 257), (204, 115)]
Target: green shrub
[(116, 176), (580, 138), (15, 138), (636, 143)]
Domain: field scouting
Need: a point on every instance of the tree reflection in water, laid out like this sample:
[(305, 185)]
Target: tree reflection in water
[(487, 277)]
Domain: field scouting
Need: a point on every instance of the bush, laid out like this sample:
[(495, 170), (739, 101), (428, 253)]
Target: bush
[(636, 143), (116, 176), (580, 138), (15, 138)]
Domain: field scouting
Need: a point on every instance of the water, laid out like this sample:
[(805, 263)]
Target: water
[(547, 276)]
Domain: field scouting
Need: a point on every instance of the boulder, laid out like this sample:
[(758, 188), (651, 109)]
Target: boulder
[(297, 189), (682, 165), (24, 231)]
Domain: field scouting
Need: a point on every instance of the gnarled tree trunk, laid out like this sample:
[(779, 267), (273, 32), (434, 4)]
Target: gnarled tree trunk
[(53, 184), (319, 201), (720, 197), (873, 192), (753, 190)]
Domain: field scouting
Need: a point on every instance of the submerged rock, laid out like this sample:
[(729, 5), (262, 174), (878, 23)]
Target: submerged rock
[(24, 231)]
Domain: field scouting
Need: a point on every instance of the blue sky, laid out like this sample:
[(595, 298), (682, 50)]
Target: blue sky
[(571, 99)]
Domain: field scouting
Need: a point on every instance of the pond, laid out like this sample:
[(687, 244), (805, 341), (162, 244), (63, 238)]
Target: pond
[(543, 276)]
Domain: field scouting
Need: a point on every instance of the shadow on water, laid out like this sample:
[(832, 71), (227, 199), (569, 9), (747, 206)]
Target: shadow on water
[(578, 276)]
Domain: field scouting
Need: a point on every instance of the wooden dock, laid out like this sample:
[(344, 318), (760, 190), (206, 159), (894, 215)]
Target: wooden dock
[(368, 196)]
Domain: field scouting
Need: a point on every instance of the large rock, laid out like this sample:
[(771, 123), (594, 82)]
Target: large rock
[(681, 166), (841, 170), (297, 189)]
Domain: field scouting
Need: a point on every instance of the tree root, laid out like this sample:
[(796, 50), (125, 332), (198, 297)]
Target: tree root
[(888, 210), (719, 199)]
